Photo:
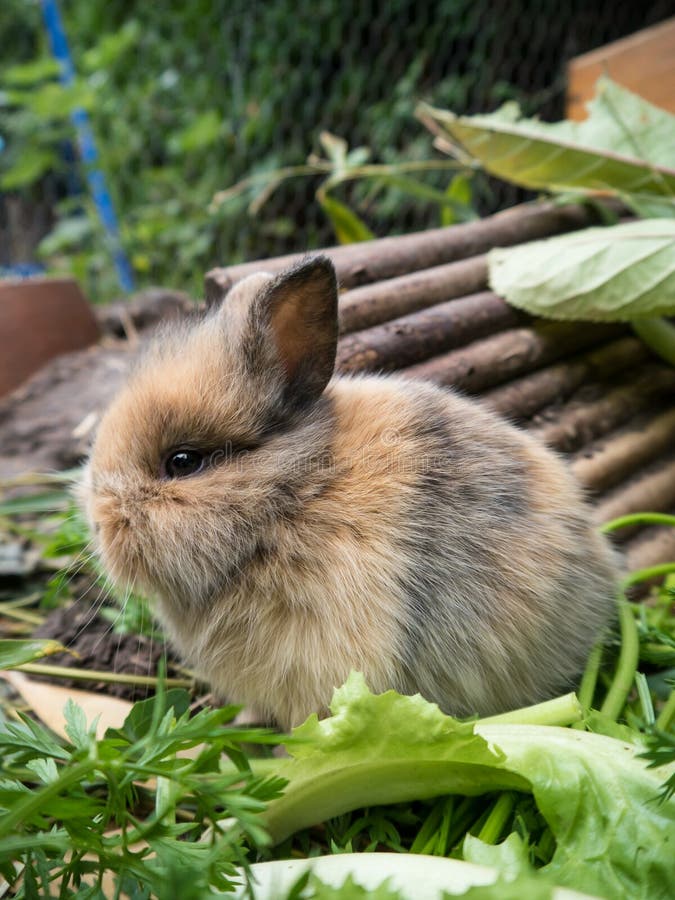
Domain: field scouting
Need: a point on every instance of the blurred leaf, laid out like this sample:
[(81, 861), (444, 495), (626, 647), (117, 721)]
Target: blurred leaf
[(336, 149), (606, 215), (54, 101), (357, 157), (650, 207), (141, 262), (17, 652), (413, 187), (111, 47), (67, 234), (48, 502), (458, 211), (658, 334), (33, 163), (625, 146), (348, 227), (601, 274), (460, 195), (202, 132), (27, 74)]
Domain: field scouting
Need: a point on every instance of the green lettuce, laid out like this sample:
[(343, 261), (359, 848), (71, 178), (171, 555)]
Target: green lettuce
[(392, 876), (613, 837)]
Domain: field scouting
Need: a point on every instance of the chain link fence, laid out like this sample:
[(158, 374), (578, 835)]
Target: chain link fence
[(186, 99)]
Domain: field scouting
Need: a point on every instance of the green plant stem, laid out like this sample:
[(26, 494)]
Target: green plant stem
[(647, 574), (21, 615), (443, 834), (20, 602), (645, 698), (659, 335), (326, 167), (426, 834), (499, 815), (563, 710), (166, 796), (638, 519), (667, 714), (626, 666), (547, 845), (106, 677), (589, 681), (464, 818)]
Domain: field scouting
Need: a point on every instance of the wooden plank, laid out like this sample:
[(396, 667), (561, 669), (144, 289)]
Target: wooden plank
[(644, 62)]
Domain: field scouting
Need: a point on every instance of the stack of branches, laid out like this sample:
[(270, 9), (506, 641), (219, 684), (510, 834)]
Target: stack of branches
[(420, 305)]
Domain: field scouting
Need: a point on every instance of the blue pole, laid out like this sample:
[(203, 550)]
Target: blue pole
[(87, 146)]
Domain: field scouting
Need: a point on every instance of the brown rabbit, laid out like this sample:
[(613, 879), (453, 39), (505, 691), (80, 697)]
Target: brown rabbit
[(292, 526)]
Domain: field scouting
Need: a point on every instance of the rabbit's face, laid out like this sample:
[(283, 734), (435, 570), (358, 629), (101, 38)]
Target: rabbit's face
[(209, 442)]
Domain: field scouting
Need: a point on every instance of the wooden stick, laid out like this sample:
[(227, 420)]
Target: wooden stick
[(652, 490), (498, 358), (372, 304), (422, 334), (389, 257), (581, 422), (601, 466), (525, 396)]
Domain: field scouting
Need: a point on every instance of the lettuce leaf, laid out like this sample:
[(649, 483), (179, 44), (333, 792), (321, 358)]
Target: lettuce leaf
[(392, 876), (613, 838)]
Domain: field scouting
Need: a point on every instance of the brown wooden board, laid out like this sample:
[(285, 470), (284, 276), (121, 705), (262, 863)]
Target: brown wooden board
[(644, 63)]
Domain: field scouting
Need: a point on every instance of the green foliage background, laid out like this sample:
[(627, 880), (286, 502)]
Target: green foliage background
[(188, 98)]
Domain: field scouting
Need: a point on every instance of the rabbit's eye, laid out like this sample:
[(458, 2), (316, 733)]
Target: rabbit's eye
[(181, 463)]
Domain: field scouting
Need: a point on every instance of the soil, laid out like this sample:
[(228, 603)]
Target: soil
[(96, 646)]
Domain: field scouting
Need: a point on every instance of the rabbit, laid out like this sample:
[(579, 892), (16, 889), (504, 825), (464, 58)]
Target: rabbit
[(291, 525)]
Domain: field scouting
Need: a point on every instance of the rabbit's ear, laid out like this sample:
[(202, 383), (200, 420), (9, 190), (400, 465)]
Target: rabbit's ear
[(300, 308)]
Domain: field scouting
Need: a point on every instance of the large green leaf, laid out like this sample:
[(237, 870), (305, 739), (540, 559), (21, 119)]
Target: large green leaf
[(626, 146), (602, 274), (613, 838)]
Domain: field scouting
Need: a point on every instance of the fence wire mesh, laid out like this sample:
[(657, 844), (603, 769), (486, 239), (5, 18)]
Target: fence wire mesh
[(185, 99)]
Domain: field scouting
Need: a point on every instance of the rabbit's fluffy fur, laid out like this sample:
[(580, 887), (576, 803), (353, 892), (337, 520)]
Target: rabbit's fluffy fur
[(369, 523)]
